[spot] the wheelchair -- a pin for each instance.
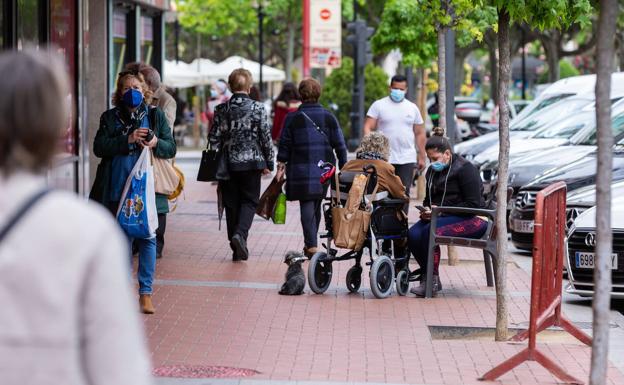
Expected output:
(388, 226)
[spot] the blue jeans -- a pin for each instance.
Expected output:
(147, 263)
(147, 257)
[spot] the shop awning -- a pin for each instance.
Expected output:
(182, 75)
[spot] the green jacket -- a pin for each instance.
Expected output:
(108, 143)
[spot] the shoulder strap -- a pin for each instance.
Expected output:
(151, 113)
(21, 213)
(317, 128)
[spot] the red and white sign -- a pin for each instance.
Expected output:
(325, 33)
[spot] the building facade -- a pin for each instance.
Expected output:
(96, 39)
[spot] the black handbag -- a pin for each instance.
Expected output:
(209, 165)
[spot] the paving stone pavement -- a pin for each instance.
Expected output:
(210, 311)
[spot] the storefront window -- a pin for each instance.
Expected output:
(27, 23)
(147, 39)
(120, 44)
(63, 37)
(3, 25)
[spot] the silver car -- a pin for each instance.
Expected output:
(580, 257)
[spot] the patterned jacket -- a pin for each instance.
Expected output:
(241, 125)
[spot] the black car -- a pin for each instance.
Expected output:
(576, 175)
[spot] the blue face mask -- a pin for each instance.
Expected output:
(133, 98)
(397, 95)
(438, 166)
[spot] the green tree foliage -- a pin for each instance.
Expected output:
(337, 90)
(404, 22)
(566, 70)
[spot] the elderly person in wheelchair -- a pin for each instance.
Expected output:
(385, 237)
(374, 150)
(450, 181)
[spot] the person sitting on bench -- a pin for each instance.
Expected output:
(450, 181)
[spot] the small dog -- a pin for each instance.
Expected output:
(295, 279)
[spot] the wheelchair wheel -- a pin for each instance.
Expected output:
(402, 282)
(354, 278)
(319, 273)
(382, 276)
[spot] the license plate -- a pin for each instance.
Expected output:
(521, 226)
(586, 260)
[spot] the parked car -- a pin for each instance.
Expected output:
(489, 118)
(559, 91)
(576, 175)
(580, 200)
(580, 247)
(529, 157)
(525, 127)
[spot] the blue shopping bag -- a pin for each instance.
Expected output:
(137, 213)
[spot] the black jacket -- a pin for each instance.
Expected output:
(242, 122)
(463, 187)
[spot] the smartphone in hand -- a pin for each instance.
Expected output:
(422, 209)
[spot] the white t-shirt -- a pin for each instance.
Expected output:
(396, 121)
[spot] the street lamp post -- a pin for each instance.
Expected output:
(261, 46)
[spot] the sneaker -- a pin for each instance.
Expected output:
(421, 289)
(240, 247)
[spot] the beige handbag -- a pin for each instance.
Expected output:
(350, 224)
(166, 179)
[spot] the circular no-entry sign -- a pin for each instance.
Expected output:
(325, 14)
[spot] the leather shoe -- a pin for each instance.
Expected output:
(240, 247)
(145, 301)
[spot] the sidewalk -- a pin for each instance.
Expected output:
(213, 312)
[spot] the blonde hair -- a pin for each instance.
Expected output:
(117, 99)
(375, 142)
(240, 80)
(34, 109)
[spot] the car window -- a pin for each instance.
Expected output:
(546, 102)
(567, 127)
(519, 107)
(549, 115)
(617, 124)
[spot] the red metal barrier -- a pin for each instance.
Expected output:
(548, 254)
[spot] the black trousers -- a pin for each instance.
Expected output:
(406, 173)
(310, 220)
(240, 198)
(160, 233)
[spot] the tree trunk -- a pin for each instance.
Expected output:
(551, 46)
(504, 75)
(604, 237)
(460, 73)
(493, 71)
(290, 52)
(442, 77)
(620, 50)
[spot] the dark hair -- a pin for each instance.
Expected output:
(437, 141)
(310, 90)
(34, 109)
(398, 79)
(289, 93)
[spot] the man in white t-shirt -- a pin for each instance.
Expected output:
(401, 122)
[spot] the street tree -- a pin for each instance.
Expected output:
(540, 14)
(604, 237)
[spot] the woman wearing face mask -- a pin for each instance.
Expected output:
(451, 181)
(123, 133)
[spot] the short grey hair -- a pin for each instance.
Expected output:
(375, 142)
(34, 109)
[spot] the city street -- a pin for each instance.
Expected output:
(213, 313)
